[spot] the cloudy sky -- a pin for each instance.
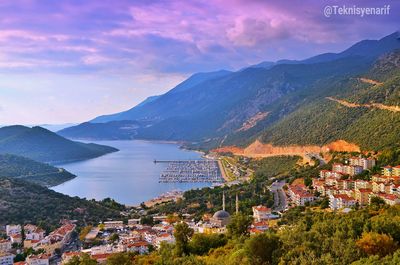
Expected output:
(69, 61)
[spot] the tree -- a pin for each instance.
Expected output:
(84, 232)
(147, 220)
(377, 203)
(239, 225)
(202, 243)
(308, 181)
(324, 203)
(124, 258)
(114, 237)
(376, 244)
(263, 248)
(182, 235)
(83, 259)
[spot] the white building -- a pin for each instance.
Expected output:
(141, 247)
(13, 229)
(164, 238)
(33, 232)
(41, 259)
(5, 245)
(365, 163)
(113, 225)
(6, 258)
(261, 213)
(339, 201)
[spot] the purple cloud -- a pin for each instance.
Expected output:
(151, 45)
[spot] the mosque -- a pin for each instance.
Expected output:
(221, 218)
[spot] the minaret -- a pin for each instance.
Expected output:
(223, 200)
(237, 203)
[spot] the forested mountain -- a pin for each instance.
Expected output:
(12, 166)
(283, 103)
(26, 202)
(42, 145)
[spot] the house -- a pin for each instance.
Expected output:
(328, 173)
(340, 201)
(362, 196)
(101, 258)
(299, 195)
(365, 163)
(390, 199)
(41, 259)
(396, 171)
(348, 184)
(260, 226)
(378, 187)
(111, 225)
(133, 222)
(380, 178)
(387, 171)
(347, 169)
(261, 213)
(56, 239)
(362, 184)
(168, 238)
(67, 256)
(103, 249)
(16, 238)
(5, 245)
(13, 229)
(6, 258)
(33, 232)
(141, 247)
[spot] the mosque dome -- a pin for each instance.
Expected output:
(221, 215)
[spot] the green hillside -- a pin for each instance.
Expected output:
(12, 166)
(42, 145)
(325, 120)
(25, 202)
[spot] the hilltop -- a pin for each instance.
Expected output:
(43, 145)
(18, 167)
(26, 202)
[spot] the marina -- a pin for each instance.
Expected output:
(191, 171)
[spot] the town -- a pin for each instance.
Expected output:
(341, 186)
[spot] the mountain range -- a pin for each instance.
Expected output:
(307, 102)
(43, 145)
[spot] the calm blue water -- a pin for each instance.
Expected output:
(128, 176)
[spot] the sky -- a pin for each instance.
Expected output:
(69, 61)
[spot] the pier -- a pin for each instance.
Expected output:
(191, 171)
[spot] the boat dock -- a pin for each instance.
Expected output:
(191, 171)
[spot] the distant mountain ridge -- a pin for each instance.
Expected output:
(211, 113)
(45, 146)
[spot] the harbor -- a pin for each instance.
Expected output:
(191, 171)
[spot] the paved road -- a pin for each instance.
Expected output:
(280, 201)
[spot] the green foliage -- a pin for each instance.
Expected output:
(12, 166)
(125, 258)
(114, 237)
(112, 204)
(273, 166)
(239, 225)
(370, 128)
(202, 243)
(263, 248)
(182, 235)
(23, 202)
(147, 220)
(83, 259)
